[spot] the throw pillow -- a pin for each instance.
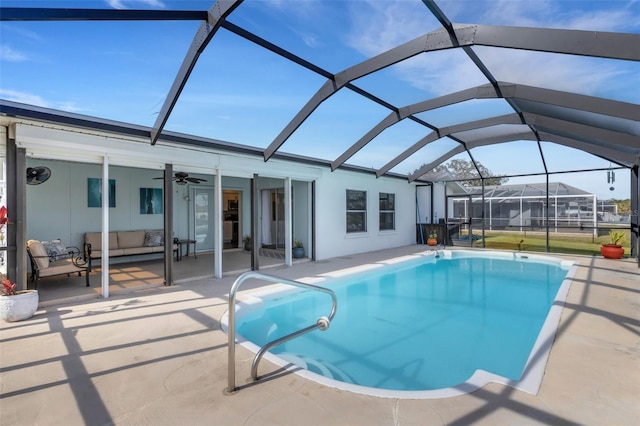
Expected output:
(46, 245)
(57, 250)
(154, 239)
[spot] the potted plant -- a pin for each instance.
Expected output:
(432, 240)
(614, 249)
(246, 240)
(16, 305)
(298, 249)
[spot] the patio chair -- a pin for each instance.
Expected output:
(50, 263)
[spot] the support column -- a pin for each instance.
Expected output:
(104, 260)
(313, 221)
(288, 240)
(635, 214)
(594, 212)
(255, 222)
(218, 242)
(548, 245)
(16, 203)
(168, 224)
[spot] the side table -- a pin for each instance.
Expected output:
(186, 242)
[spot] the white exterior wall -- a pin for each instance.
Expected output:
(439, 201)
(134, 163)
(331, 237)
(423, 210)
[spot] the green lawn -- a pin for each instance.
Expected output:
(572, 244)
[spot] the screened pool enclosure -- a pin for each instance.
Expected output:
(537, 92)
(523, 207)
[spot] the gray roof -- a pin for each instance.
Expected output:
(528, 190)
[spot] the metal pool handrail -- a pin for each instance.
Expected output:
(321, 323)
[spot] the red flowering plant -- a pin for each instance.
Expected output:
(8, 288)
(4, 219)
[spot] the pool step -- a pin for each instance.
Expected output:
(321, 367)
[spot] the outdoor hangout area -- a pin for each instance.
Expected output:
(327, 212)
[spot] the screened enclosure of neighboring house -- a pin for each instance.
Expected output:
(522, 207)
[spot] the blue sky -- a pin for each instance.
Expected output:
(241, 93)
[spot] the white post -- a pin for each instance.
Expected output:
(288, 233)
(520, 213)
(104, 260)
(218, 241)
(490, 216)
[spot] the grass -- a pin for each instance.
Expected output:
(558, 243)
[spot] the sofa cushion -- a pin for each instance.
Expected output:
(40, 255)
(154, 238)
(61, 267)
(97, 254)
(137, 250)
(128, 239)
(95, 239)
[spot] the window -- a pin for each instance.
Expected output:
(387, 211)
(356, 211)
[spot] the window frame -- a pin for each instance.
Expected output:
(352, 212)
(389, 199)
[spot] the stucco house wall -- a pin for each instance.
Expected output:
(332, 238)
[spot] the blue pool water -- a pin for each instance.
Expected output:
(419, 325)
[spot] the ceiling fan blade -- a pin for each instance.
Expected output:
(195, 180)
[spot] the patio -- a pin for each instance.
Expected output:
(158, 356)
(137, 275)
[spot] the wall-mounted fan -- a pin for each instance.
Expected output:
(182, 178)
(37, 175)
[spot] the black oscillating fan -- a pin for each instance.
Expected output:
(37, 175)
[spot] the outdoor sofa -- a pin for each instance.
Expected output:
(125, 243)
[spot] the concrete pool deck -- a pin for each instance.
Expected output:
(159, 357)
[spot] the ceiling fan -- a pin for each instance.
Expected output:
(182, 178)
(37, 175)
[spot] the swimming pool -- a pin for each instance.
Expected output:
(423, 327)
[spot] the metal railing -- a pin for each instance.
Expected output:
(321, 323)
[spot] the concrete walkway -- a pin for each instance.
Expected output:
(159, 357)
